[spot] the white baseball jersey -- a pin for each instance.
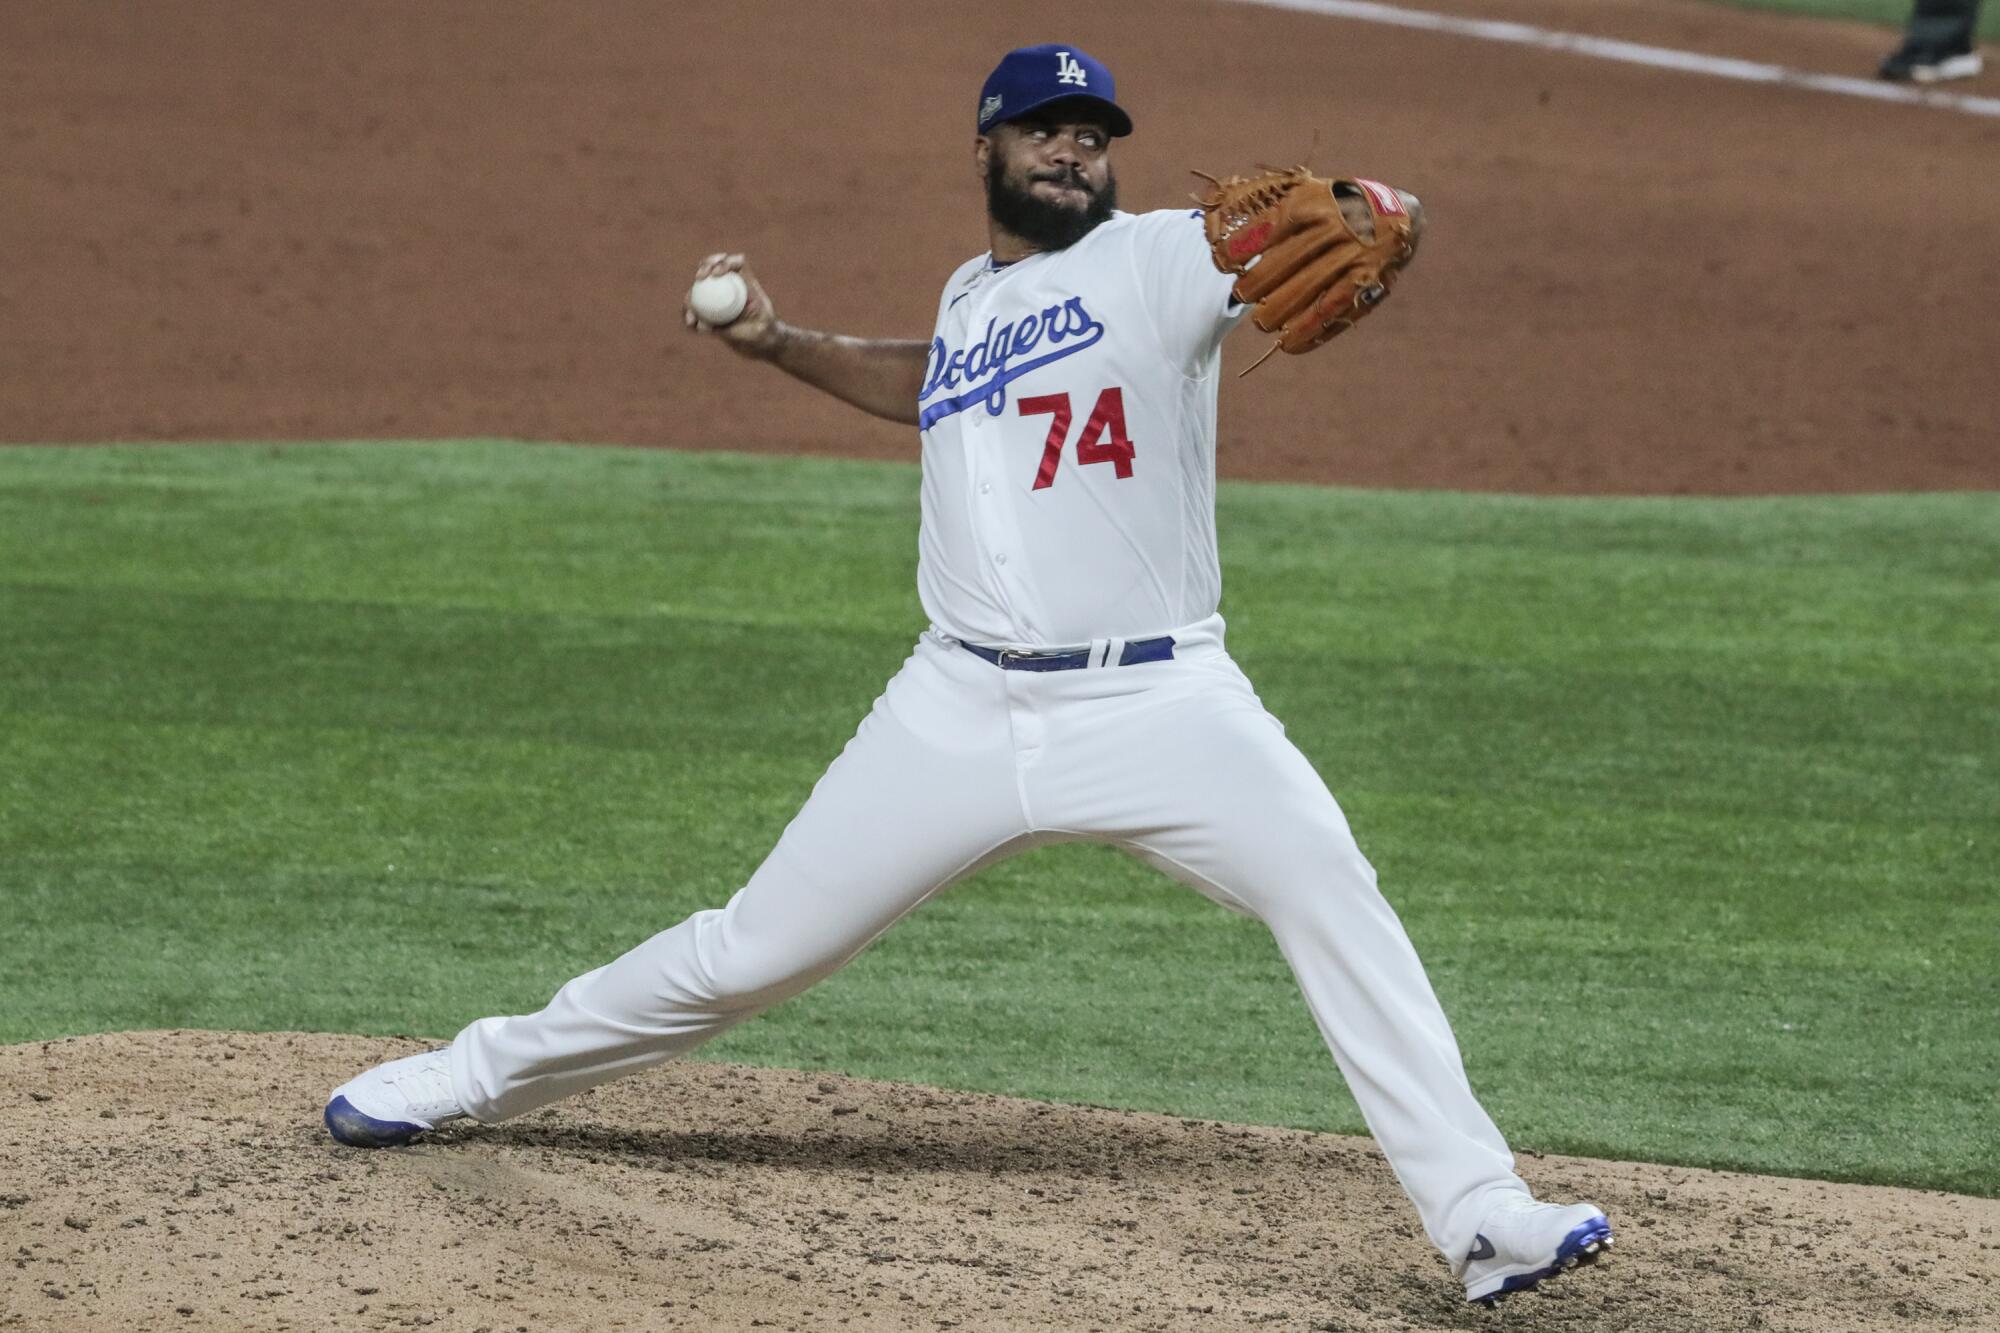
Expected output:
(1068, 418)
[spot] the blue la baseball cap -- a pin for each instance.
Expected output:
(1037, 75)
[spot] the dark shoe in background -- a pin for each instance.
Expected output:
(1910, 63)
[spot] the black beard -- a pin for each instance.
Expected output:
(1045, 225)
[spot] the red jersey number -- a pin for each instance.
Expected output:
(1103, 439)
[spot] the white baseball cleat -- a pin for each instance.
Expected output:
(393, 1103)
(1964, 65)
(1523, 1242)
(1914, 63)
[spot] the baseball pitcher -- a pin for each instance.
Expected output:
(1073, 682)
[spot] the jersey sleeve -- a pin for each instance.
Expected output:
(1184, 294)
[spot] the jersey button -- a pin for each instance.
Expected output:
(1000, 559)
(986, 488)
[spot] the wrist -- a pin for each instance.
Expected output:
(776, 342)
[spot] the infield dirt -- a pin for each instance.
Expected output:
(231, 220)
(181, 1180)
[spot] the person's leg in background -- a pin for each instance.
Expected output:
(1938, 44)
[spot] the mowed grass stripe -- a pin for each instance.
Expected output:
(1690, 805)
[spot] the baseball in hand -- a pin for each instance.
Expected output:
(720, 299)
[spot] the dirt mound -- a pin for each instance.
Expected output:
(233, 220)
(181, 1180)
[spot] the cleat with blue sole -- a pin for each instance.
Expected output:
(1583, 1246)
(359, 1130)
(395, 1103)
(1523, 1244)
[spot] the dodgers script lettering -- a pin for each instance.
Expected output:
(993, 362)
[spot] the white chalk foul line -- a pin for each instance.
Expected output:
(1634, 53)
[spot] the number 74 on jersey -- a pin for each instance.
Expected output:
(1102, 440)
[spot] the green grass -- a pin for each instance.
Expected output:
(1890, 12)
(1693, 807)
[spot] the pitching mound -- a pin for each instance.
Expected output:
(181, 1180)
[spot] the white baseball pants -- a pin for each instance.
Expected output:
(960, 764)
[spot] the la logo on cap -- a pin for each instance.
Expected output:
(1068, 71)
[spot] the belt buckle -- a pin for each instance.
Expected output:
(1005, 656)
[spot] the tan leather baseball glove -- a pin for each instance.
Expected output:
(1314, 255)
